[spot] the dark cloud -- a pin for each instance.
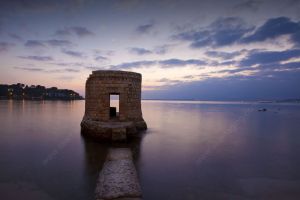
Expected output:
(17, 6)
(127, 5)
(74, 30)
(102, 55)
(162, 49)
(178, 62)
(15, 37)
(35, 69)
(81, 31)
(32, 5)
(230, 62)
(166, 81)
(58, 43)
(94, 68)
(67, 64)
(188, 77)
(197, 38)
(296, 38)
(63, 32)
(252, 5)
(145, 28)
(233, 71)
(169, 63)
(32, 69)
(37, 58)
(223, 55)
(136, 64)
(269, 57)
(273, 28)
(139, 51)
(290, 65)
(5, 46)
(223, 63)
(224, 31)
(30, 19)
(68, 70)
(267, 86)
(52, 43)
(76, 54)
(227, 31)
(100, 58)
(266, 62)
(72, 70)
(103, 52)
(34, 43)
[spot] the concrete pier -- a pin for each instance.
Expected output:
(118, 178)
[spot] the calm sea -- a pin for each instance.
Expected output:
(192, 150)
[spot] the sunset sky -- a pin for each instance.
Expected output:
(185, 49)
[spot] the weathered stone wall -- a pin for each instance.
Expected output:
(102, 83)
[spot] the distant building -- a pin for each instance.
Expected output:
(38, 92)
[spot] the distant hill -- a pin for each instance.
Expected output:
(36, 92)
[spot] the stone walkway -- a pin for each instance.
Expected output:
(118, 177)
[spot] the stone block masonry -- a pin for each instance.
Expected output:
(97, 121)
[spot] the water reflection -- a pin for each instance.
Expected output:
(192, 150)
(95, 155)
(220, 151)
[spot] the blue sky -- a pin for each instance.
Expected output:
(208, 50)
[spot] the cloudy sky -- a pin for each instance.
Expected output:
(185, 49)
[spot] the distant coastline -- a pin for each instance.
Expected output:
(21, 91)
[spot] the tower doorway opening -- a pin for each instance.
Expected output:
(114, 105)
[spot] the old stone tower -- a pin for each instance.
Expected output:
(100, 119)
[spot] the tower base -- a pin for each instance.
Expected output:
(111, 130)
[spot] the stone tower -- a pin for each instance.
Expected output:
(100, 119)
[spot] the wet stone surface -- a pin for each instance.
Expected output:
(119, 134)
(118, 177)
